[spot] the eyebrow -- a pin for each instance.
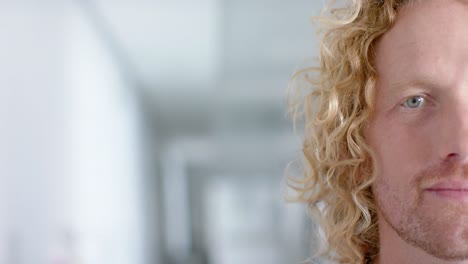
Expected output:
(424, 82)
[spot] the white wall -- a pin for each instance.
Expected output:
(104, 161)
(70, 178)
(31, 129)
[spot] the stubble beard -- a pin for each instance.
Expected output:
(440, 231)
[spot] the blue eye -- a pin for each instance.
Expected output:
(414, 102)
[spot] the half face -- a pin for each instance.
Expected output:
(419, 131)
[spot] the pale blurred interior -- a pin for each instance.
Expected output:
(150, 132)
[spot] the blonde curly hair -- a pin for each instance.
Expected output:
(337, 172)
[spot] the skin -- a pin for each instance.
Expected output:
(419, 135)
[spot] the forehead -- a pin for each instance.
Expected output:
(429, 41)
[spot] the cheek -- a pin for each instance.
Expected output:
(399, 152)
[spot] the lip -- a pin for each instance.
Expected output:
(453, 190)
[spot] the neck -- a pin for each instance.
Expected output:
(395, 250)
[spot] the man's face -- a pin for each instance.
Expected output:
(419, 131)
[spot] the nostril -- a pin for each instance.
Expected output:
(457, 158)
(452, 157)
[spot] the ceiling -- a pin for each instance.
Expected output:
(210, 65)
(197, 47)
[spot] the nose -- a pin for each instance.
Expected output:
(454, 134)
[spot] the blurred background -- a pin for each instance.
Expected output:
(150, 132)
